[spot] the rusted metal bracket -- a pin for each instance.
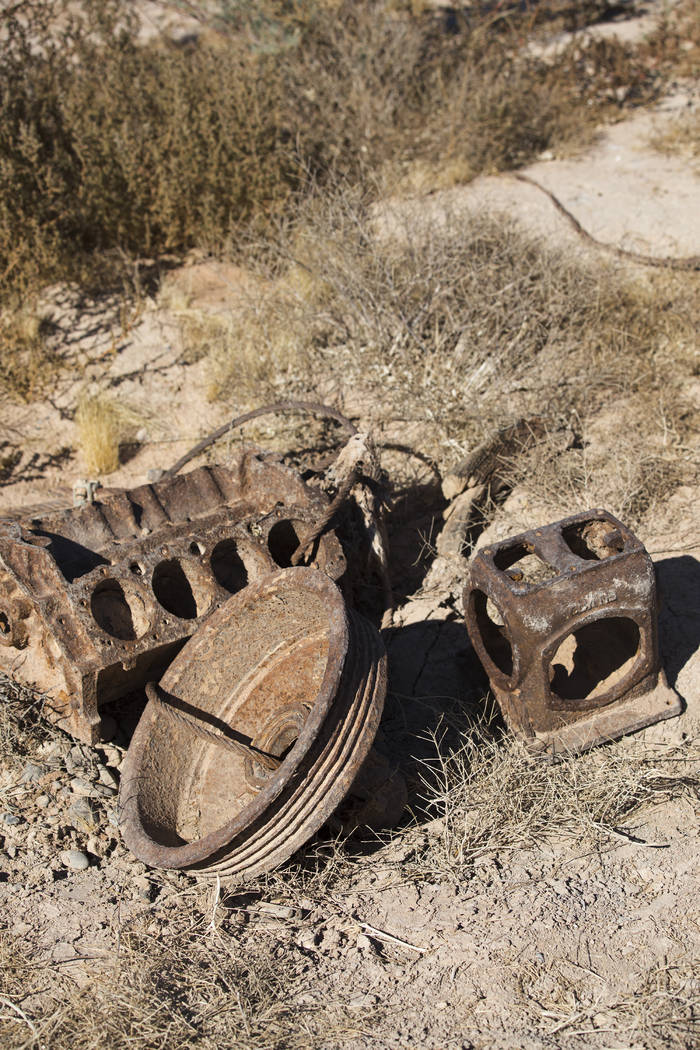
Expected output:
(564, 620)
(96, 600)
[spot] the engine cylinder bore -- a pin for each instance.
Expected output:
(120, 609)
(258, 729)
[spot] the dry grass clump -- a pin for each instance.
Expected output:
(674, 46)
(22, 728)
(682, 137)
(662, 1011)
(494, 797)
(456, 320)
(174, 983)
(237, 347)
(26, 363)
(103, 426)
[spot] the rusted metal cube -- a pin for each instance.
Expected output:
(97, 600)
(564, 620)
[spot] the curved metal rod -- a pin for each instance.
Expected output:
(316, 408)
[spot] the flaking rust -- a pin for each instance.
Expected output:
(564, 620)
(98, 599)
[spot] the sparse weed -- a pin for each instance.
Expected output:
(176, 981)
(493, 797)
(682, 137)
(26, 363)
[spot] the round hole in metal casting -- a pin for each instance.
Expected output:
(494, 636)
(282, 541)
(227, 566)
(180, 590)
(119, 610)
(595, 658)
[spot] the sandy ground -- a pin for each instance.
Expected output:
(555, 945)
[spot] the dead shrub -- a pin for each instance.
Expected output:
(457, 320)
(26, 362)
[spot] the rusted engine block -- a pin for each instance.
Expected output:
(564, 620)
(98, 599)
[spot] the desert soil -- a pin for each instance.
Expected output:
(571, 941)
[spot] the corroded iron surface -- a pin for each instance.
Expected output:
(98, 599)
(288, 685)
(564, 620)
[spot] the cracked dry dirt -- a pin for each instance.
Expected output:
(580, 937)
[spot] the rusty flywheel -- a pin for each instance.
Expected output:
(257, 730)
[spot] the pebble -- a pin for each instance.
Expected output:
(54, 751)
(94, 846)
(76, 759)
(307, 939)
(88, 790)
(42, 801)
(107, 777)
(112, 755)
(32, 772)
(74, 859)
(81, 814)
(10, 818)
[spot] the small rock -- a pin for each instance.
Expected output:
(112, 755)
(11, 851)
(11, 819)
(331, 940)
(107, 777)
(31, 772)
(307, 939)
(142, 888)
(88, 790)
(365, 1002)
(94, 846)
(55, 751)
(74, 859)
(81, 814)
(42, 801)
(76, 759)
(363, 943)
